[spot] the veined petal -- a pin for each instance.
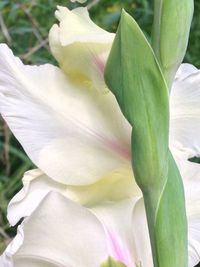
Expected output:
(71, 236)
(72, 134)
(185, 110)
(80, 46)
(37, 185)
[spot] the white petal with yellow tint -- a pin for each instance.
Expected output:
(112, 207)
(185, 110)
(37, 185)
(76, 136)
(80, 46)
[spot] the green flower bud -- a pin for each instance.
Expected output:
(112, 263)
(172, 21)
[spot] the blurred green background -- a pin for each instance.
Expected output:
(24, 26)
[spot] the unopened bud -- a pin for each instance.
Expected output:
(172, 21)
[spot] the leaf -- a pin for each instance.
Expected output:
(134, 76)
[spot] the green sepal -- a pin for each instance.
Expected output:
(112, 263)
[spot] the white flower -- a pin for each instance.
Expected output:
(83, 205)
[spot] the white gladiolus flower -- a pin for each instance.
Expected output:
(82, 205)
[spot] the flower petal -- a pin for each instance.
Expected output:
(95, 234)
(194, 242)
(37, 185)
(190, 173)
(80, 46)
(185, 110)
(115, 214)
(75, 136)
(143, 254)
(118, 224)
(62, 233)
(6, 259)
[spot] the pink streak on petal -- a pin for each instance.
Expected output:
(99, 64)
(112, 144)
(117, 250)
(122, 151)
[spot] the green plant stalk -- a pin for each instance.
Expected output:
(135, 77)
(164, 210)
(170, 34)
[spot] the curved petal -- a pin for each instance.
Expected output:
(80, 46)
(75, 136)
(115, 214)
(141, 236)
(185, 110)
(184, 70)
(194, 242)
(71, 236)
(6, 259)
(118, 224)
(37, 185)
(190, 173)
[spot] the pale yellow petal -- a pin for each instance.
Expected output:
(80, 47)
(117, 186)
